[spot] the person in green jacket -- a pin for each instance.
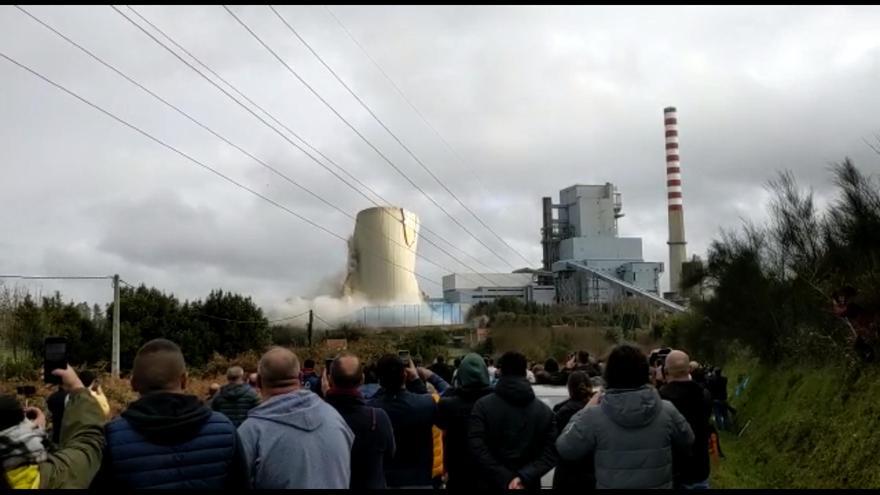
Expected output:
(28, 457)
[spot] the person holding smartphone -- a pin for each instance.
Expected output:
(27, 459)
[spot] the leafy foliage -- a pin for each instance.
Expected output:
(771, 285)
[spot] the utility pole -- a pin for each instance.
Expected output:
(311, 321)
(114, 366)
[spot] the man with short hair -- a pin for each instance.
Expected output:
(584, 362)
(512, 433)
(235, 399)
(293, 439)
(310, 379)
(167, 438)
(373, 436)
(442, 369)
(403, 395)
(691, 466)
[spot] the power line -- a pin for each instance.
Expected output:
(253, 321)
(393, 135)
(403, 95)
(53, 277)
(203, 126)
(190, 158)
(322, 320)
(301, 139)
(268, 125)
(362, 137)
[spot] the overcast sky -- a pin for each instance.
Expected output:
(533, 99)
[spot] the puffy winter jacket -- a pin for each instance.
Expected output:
(632, 433)
(512, 434)
(234, 400)
(166, 440)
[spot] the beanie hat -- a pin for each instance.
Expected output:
(472, 372)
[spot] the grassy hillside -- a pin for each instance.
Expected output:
(811, 427)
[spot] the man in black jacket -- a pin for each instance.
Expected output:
(512, 434)
(442, 369)
(717, 384)
(691, 467)
(577, 475)
(236, 398)
(412, 410)
(453, 412)
(373, 435)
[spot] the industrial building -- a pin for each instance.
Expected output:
(382, 257)
(589, 262)
(472, 288)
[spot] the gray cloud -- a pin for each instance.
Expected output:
(534, 98)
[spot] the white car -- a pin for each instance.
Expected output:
(551, 395)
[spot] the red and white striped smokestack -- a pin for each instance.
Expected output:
(677, 253)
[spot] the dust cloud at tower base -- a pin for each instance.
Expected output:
(382, 257)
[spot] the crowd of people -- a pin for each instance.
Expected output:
(475, 425)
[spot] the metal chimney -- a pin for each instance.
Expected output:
(677, 252)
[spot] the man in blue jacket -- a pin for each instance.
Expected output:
(167, 438)
(413, 412)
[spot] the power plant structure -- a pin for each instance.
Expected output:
(588, 261)
(382, 257)
(675, 204)
(382, 272)
(585, 261)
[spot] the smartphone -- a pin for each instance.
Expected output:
(404, 356)
(327, 363)
(54, 357)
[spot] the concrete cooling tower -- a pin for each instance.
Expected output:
(382, 256)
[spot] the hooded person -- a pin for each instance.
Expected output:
(293, 439)
(695, 403)
(511, 433)
(236, 398)
(168, 438)
(453, 411)
(30, 459)
(629, 429)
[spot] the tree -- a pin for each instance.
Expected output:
(234, 322)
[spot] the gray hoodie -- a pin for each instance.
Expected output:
(632, 433)
(296, 440)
